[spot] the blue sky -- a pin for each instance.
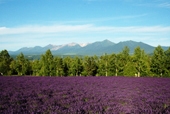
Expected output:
(29, 23)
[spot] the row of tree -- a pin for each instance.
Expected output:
(121, 64)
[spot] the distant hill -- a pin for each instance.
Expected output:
(96, 48)
(132, 45)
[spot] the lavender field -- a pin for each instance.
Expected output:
(84, 95)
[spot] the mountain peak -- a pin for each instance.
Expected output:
(50, 45)
(106, 40)
(98, 48)
(128, 41)
(72, 44)
(83, 44)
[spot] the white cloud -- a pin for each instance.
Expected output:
(165, 5)
(158, 4)
(30, 36)
(43, 29)
(102, 19)
(82, 28)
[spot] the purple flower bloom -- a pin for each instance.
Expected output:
(84, 95)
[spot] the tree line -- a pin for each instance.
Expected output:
(138, 64)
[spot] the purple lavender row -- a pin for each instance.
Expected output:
(82, 95)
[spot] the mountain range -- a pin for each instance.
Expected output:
(96, 48)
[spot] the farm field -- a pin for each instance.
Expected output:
(84, 95)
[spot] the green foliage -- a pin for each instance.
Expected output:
(113, 65)
(103, 65)
(123, 64)
(158, 62)
(122, 60)
(36, 67)
(47, 64)
(21, 65)
(129, 70)
(59, 71)
(76, 67)
(140, 62)
(5, 61)
(90, 66)
(67, 66)
(167, 61)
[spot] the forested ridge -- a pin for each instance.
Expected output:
(139, 64)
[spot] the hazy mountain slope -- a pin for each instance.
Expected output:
(96, 48)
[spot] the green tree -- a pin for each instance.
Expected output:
(29, 70)
(13, 68)
(21, 65)
(113, 65)
(67, 66)
(47, 64)
(76, 67)
(43, 65)
(158, 62)
(123, 59)
(130, 69)
(103, 66)
(90, 66)
(140, 62)
(167, 61)
(36, 67)
(5, 61)
(59, 66)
